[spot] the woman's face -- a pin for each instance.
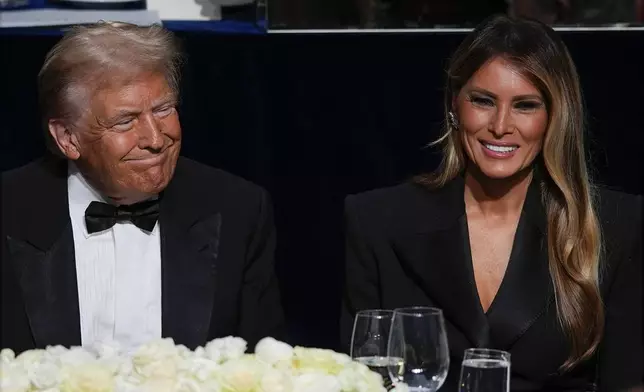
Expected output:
(502, 119)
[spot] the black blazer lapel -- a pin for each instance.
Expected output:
(189, 251)
(41, 249)
(527, 289)
(49, 289)
(438, 258)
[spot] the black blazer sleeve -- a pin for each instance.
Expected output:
(261, 310)
(621, 357)
(361, 276)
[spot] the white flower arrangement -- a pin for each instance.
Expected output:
(161, 366)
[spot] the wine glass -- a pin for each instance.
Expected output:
(369, 340)
(418, 337)
(485, 370)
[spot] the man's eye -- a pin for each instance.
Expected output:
(164, 111)
(124, 125)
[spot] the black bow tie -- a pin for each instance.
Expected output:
(101, 216)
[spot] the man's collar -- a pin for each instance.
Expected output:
(81, 193)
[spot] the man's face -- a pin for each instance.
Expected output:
(128, 139)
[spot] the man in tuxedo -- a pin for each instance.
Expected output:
(118, 237)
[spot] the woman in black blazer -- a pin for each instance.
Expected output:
(509, 236)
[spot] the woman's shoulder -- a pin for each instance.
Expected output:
(620, 217)
(618, 209)
(608, 193)
(389, 196)
(406, 206)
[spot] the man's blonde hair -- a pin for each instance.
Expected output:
(91, 57)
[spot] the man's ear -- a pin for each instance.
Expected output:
(66, 141)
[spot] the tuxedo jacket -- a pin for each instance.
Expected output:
(217, 265)
(409, 246)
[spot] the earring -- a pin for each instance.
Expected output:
(452, 120)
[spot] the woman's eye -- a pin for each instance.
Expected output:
(481, 101)
(528, 105)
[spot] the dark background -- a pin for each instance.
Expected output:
(315, 117)
(328, 14)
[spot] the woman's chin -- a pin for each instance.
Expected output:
(500, 173)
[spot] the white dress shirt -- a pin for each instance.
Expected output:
(118, 272)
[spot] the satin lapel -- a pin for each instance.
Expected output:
(526, 290)
(439, 259)
(189, 251)
(42, 254)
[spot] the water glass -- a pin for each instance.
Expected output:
(418, 337)
(369, 341)
(485, 370)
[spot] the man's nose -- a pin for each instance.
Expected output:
(151, 135)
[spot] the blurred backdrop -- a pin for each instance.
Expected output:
(325, 14)
(346, 14)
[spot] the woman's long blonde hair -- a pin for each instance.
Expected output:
(574, 238)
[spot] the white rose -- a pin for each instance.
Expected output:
(161, 348)
(44, 375)
(157, 359)
(29, 358)
(184, 352)
(359, 378)
(107, 349)
(165, 368)
(212, 352)
(125, 383)
(56, 350)
(186, 384)
(224, 349)
(117, 364)
(125, 368)
(202, 368)
(342, 359)
(13, 378)
(76, 356)
(211, 386)
(273, 351)
(53, 354)
(89, 377)
(234, 348)
(110, 354)
(241, 375)
(319, 360)
(7, 355)
(316, 382)
(157, 385)
(275, 381)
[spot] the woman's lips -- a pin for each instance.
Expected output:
(499, 151)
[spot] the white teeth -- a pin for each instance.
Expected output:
(499, 148)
